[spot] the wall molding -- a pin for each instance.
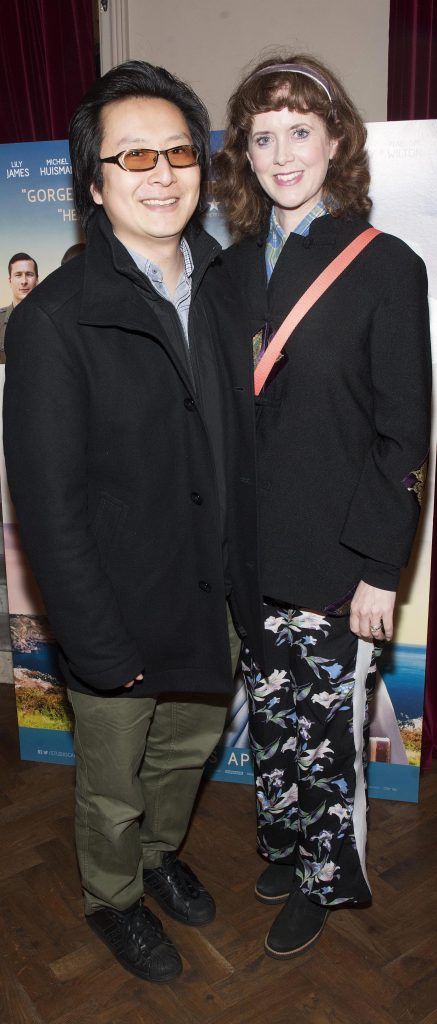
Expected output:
(114, 33)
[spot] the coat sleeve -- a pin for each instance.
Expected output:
(45, 441)
(384, 511)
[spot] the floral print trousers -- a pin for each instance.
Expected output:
(308, 726)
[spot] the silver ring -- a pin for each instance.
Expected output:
(375, 629)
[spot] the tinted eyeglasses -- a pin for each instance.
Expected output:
(146, 159)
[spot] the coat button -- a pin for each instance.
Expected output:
(206, 587)
(196, 498)
(189, 404)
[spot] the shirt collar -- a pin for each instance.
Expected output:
(277, 238)
(153, 270)
(303, 227)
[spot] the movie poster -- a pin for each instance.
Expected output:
(36, 207)
(38, 218)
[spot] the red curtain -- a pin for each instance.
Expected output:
(46, 65)
(412, 93)
(412, 60)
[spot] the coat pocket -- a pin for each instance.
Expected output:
(107, 524)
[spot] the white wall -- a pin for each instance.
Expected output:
(208, 42)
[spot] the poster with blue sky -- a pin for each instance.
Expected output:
(36, 202)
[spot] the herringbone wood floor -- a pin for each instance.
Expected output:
(373, 966)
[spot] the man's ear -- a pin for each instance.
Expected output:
(97, 196)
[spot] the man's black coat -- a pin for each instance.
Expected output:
(126, 476)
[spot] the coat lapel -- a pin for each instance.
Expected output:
(117, 294)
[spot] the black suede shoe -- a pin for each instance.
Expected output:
(295, 928)
(177, 890)
(275, 883)
(138, 942)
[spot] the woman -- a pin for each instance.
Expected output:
(342, 433)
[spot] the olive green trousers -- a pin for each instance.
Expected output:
(139, 763)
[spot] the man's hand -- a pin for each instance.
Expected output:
(371, 615)
(128, 686)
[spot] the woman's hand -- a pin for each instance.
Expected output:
(371, 615)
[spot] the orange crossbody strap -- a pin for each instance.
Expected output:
(305, 303)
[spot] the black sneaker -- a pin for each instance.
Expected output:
(137, 940)
(177, 890)
(296, 927)
(275, 883)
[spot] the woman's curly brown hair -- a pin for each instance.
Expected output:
(347, 181)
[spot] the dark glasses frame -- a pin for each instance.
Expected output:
(119, 158)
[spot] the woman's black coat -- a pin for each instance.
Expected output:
(116, 464)
(343, 426)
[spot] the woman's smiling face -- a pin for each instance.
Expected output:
(290, 152)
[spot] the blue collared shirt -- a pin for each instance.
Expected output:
(182, 296)
(277, 238)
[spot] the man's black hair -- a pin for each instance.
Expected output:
(133, 78)
(22, 256)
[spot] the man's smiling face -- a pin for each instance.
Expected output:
(147, 209)
(22, 279)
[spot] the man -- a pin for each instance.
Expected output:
(122, 492)
(22, 276)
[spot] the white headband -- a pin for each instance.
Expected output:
(298, 69)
